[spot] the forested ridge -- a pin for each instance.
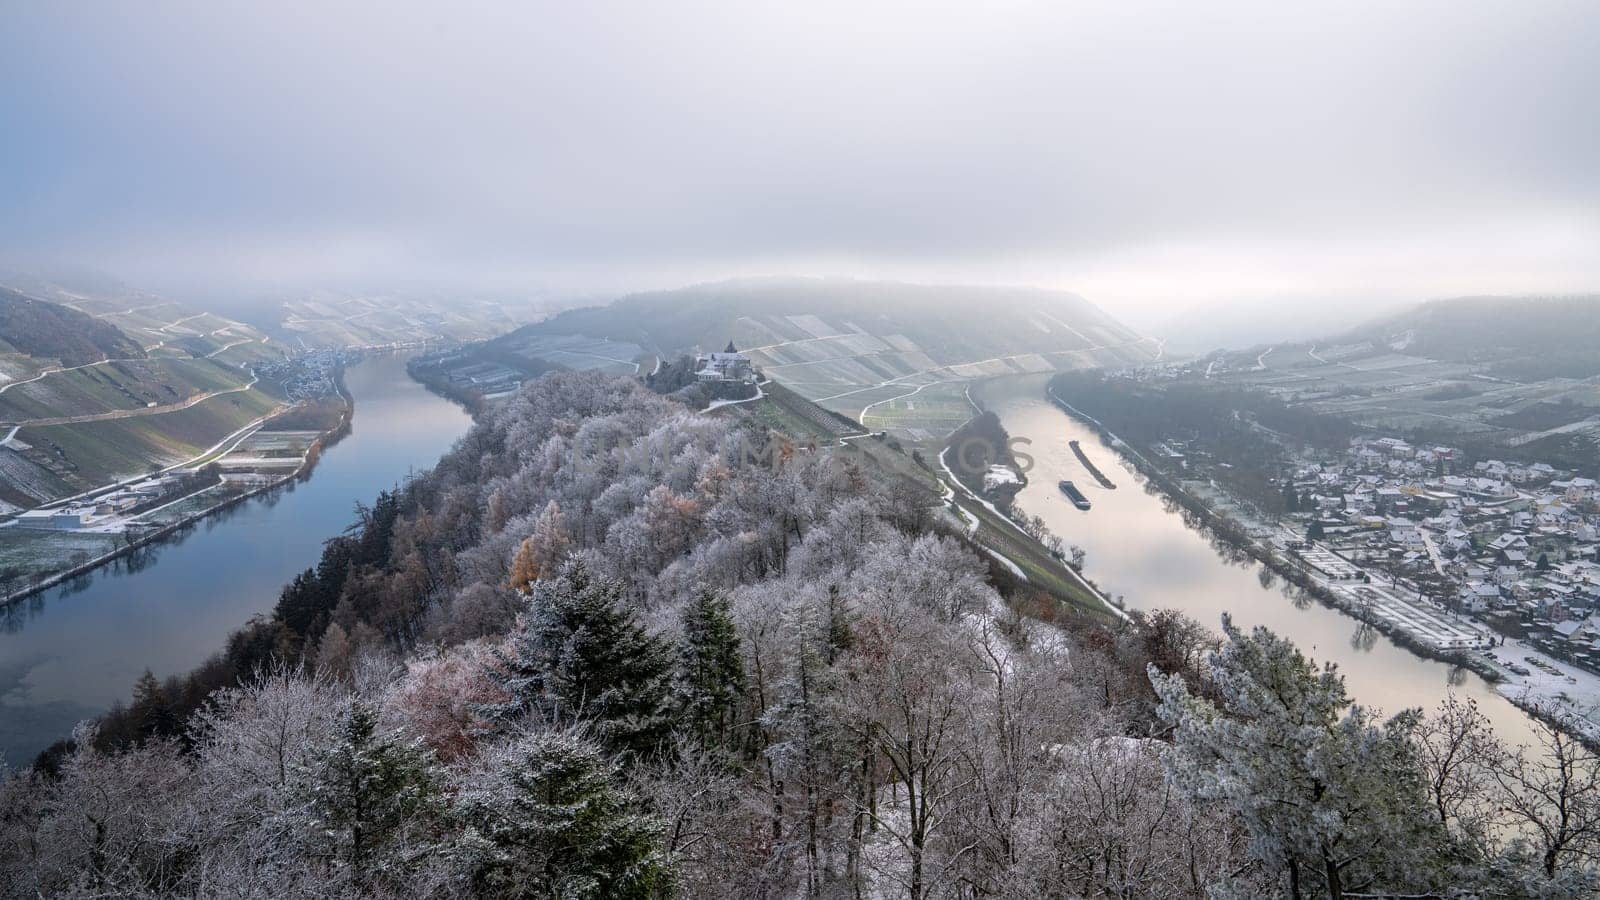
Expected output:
(610, 647)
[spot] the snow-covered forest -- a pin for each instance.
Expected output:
(610, 647)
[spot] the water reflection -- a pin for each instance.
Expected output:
(1162, 556)
(71, 651)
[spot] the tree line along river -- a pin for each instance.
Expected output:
(70, 652)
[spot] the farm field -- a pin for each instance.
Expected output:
(913, 390)
(331, 321)
(168, 329)
(578, 352)
(28, 554)
(116, 385)
(1384, 389)
(86, 455)
(781, 409)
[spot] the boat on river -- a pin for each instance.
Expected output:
(1073, 494)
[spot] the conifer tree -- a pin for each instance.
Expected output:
(541, 552)
(366, 792)
(580, 655)
(152, 711)
(710, 676)
(1332, 799)
(549, 820)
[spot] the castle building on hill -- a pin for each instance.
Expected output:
(728, 366)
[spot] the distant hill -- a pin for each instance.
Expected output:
(1531, 337)
(894, 357)
(45, 330)
(947, 322)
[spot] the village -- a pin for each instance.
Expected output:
(1510, 544)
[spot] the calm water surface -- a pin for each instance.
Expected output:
(70, 652)
(1139, 549)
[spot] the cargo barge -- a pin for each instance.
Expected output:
(1073, 494)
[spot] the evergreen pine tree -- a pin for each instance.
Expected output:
(840, 624)
(549, 820)
(1332, 799)
(366, 791)
(152, 711)
(710, 677)
(580, 655)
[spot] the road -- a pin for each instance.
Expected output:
(862, 416)
(131, 413)
(219, 448)
(956, 488)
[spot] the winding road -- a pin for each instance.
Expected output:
(131, 413)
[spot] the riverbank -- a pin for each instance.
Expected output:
(128, 545)
(70, 653)
(1549, 699)
(1238, 536)
(1144, 548)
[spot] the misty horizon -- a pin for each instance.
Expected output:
(1167, 163)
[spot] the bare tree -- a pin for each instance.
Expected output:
(1552, 793)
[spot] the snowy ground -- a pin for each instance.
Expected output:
(1573, 691)
(1422, 621)
(1553, 686)
(718, 404)
(998, 475)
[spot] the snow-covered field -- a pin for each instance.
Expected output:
(1554, 687)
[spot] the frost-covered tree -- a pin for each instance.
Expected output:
(546, 817)
(803, 735)
(373, 796)
(710, 678)
(901, 695)
(1456, 748)
(542, 551)
(581, 655)
(1333, 800)
(1550, 793)
(111, 823)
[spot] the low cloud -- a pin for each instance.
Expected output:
(1156, 157)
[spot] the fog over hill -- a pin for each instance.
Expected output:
(944, 319)
(1558, 334)
(37, 328)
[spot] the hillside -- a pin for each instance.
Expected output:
(1496, 376)
(1533, 337)
(105, 384)
(600, 652)
(49, 331)
(944, 320)
(863, 349)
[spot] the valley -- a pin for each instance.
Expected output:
(124, 415)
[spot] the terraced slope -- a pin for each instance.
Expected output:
(59, 334)
(331, 321)
(128, 386)
(894, 357)
(1500, 376)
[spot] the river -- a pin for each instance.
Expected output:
(1138, 548)
(70, 652)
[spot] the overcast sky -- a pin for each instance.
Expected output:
(1157, 158)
